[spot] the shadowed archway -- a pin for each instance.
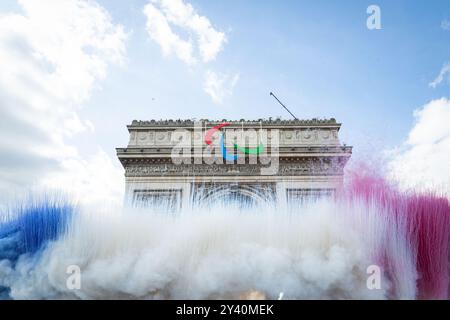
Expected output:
(235, 194)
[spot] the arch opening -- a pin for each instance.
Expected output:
(234, 195)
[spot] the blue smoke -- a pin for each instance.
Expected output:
(29, 228)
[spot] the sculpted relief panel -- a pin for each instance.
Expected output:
(291, 137)
(311, 136)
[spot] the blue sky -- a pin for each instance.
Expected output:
(317, 56)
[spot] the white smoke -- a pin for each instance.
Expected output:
(321, 252)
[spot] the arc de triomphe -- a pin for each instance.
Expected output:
(305, 158)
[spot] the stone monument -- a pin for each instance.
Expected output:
(308, 155)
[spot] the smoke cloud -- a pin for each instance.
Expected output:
(319, 250)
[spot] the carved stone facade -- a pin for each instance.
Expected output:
(309, 161)
(314, 166)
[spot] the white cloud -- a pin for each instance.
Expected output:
(444, 71)
(160, 31)
(93, 180)
(219, 86)
(424, 161)
(203, 42)
(51, 58)
(445, 24)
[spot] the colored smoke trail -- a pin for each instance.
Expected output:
(319, 250)
(426, 221)
(26, 230)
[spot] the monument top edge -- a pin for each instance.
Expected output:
(269, 121)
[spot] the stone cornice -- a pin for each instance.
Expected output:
(265, 122)
(295, 151)
(340, 159)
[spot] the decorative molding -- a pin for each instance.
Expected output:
(297, 137)
(270, 121)
(285, 169)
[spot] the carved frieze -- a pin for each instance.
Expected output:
(285, 169)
